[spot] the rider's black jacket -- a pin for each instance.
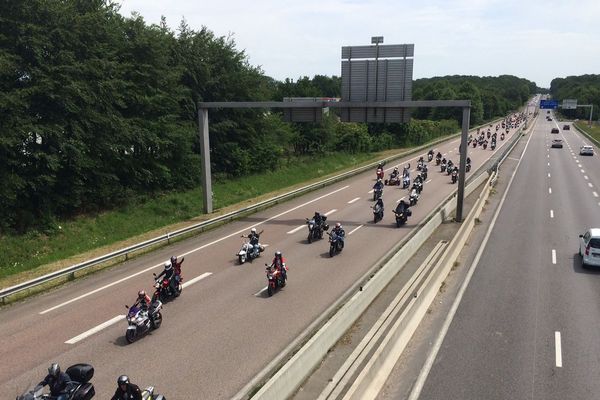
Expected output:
(57, 385)
(133, 392)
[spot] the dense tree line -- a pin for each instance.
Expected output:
(96, 109)
(585, 89)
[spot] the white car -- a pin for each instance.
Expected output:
(586, 150)
(589, 247)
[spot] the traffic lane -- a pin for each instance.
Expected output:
(588, 165)
(93, 302)
(487, 352)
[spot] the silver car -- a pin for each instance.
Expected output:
(589, 248)
(586, 150)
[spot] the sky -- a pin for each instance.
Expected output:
(532, 39)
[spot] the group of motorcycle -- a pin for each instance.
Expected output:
(167, 286)
(79, 387)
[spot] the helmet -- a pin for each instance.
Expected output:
(338, 225)
(123, 380)
(168, 265)
(253, 230)
(54, 370)
(379, 180)
(173, 259)
(278, 254)
(142, 293)
(396, 169)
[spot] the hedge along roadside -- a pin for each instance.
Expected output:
(112, 258)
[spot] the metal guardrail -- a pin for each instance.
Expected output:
(587, 135)
(4, 293)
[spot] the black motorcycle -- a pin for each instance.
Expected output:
(402, 216)
(424, 175)
(315, 231)
(78, 388)
(468, 167)
(377, 212)
(377, 193)
(454, 176)
(443, 167)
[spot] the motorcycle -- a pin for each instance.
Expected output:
(429, 157)
(420, 165)
(377, 193)
(438, 161)
(405, 182)
(454, 176)
(141, 322)
(402, 216)
(379, 173)
(424, 175)
(493, 146)
(449, 169)
(336, 244)
(275, 279)
(443, 167)
(377, 212)
(148, 394)
(502, 136)
(468, 167)
(247, 252)
(78, 388)
(474, 143)
(314, 231)
(418, 186)
(163, 290)
(393, 181)
(484, 145)
(413, 198)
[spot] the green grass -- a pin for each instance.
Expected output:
(72, 237)
(594, 131)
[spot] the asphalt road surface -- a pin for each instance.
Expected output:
(223, 329)
(526, 327)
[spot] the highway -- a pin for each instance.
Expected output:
(223, 329)
(526, 325)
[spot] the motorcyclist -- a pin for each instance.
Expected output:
(379, 203)
(339, 230)
(378, 185)
(143, 301)
(444, 161)
(126, 390)
(406, 171)
(395, 173)
(279, 264)
(177, 269)
(401, 207)
(439, 155)
(254, 237)
(168, 273)
(414, 194)
(319, 220)
(430, 153)
(56, 381)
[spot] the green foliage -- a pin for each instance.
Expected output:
(585, 89)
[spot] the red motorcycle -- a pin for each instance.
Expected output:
(163, 290)
(275, 277)
(379, 173)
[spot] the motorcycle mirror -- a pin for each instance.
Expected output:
(580, 235)
(126, 306)
(154, 274)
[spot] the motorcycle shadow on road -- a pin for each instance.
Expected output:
(578, 268)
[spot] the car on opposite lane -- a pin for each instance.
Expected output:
(586, 150)
(557, 143)
(589, 248)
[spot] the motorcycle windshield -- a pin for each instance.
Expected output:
(133, 310)
(34, 392)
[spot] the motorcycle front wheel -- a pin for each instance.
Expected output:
(331, 251)
(130, 336)
(242, 258)
(269, 290)
(310, 237)
(157, 320)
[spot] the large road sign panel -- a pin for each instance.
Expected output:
(549, 104)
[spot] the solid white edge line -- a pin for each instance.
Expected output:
(355, 229)
(353, 200)
(196, 279)
(558, 348)
(553, 256)
(551, 213)
(418, 386)
(196, 249)
(95, 329)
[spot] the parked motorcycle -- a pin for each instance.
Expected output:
(377, 212)
(454, 175)
(163, 290)
(79, 388)
(247, 252)
(141, 322)
(315, 231)
(336, 244)
(148, 394)
(275, 279)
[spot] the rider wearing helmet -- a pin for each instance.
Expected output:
(279, 264)
(378, 185)
(57, 381)
(143, 300)
(395, 173)
(254, 236)
(339, 231)
(126, 390)
(177, 269)
(168, 272)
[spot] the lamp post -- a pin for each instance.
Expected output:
(376, 40)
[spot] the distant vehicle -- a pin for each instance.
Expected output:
(589, 247)
(557, 143)
(548, 112)
(586, 150)
(566, 127)
(549, 119)
(554, 130)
